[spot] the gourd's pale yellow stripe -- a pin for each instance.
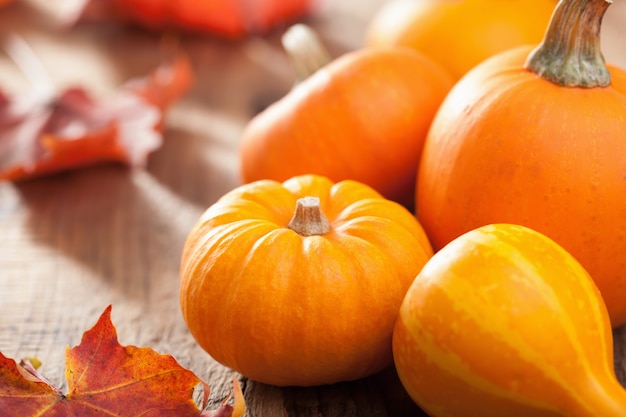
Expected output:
(454, 363)
(472, 307)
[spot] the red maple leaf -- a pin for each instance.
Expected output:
(43, 133)
(228, 18)
(108, 379)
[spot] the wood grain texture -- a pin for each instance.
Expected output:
(73, 243)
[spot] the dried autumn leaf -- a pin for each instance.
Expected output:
(106, 378)
(43, 133)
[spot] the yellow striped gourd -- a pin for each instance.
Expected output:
(503, 322)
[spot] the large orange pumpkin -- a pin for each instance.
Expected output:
(503, 322)
(299, 283)
(537, 139)
(460, 34)
(363, 116)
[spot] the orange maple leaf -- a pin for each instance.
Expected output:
(105, 378)
(46, 132)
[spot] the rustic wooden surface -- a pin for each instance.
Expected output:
(73, 243)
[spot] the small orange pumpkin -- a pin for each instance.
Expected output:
(299, 283)
(503, 322)
(459, 34)
(362, 116)
(537, 139)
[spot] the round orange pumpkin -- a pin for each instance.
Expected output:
(299, 283)
(537, 139)
(503, 322)
(459, 34)
(363, 117)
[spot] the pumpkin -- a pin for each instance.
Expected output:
(362, 116)
(537, 138)
(504, 322)
(459, 34)
(229, 18)
(299, 283)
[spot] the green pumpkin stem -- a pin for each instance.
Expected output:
(308, 219)
(570, 54)
(306, 51)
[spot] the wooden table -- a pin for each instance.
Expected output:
(73, 243)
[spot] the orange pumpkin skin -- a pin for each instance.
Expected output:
(504, 322)
(459, 34)
(508, 146)
(287, 309)
(364, 117)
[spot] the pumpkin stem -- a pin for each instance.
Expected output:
(570, 54)
(308, 219)
(306, 51)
